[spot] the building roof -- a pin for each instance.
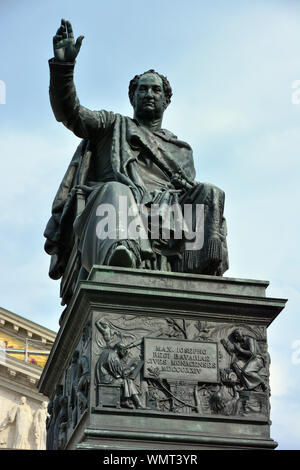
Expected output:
(31, 328)
(24, 346)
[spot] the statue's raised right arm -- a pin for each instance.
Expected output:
(64, 101)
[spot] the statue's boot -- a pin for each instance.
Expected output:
(123, 257)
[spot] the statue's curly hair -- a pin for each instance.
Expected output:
(166, 85)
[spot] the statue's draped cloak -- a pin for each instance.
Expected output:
(128, 139)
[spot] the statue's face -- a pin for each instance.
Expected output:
(149, 97)
(238, 336)
(122, 352)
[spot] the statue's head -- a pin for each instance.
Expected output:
(59, 389)
(150, 94)
(238, 335)
(121, 349)
(75, 356)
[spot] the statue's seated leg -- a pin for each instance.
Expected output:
(212, 257)
(103, 229)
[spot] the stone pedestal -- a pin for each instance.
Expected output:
(152, 360)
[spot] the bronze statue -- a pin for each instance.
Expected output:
(132, 163)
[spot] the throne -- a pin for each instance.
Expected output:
(73, 272)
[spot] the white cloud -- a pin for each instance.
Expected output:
(282, 376)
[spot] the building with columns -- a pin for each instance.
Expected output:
(24, 350)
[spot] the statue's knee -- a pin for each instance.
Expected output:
(115, 186)
(115, 189)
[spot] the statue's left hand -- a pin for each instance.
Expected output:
(84, 188)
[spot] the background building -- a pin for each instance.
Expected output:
(24, 349)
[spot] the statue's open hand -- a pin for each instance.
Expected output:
(64, 46)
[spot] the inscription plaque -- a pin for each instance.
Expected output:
(195, 361)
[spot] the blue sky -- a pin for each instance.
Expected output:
(231, 65)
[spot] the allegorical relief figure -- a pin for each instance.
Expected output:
(61, 424)
(21, 416)
(54, 409)
(77, 378)
(57, 420)
(83, 370)
(105, 330)
(113, 367)
(246, 360)
(39, 426)
(71, 387)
